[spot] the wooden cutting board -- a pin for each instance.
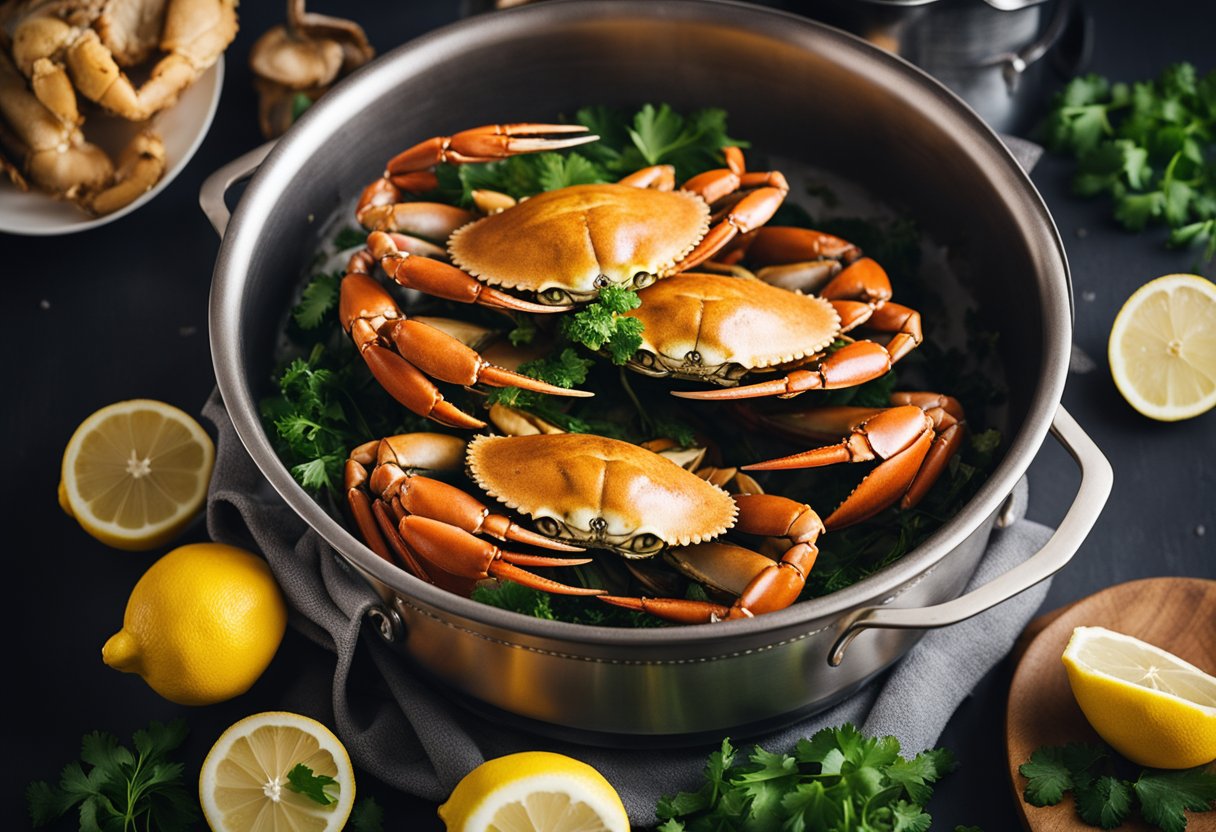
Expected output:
(1176, 614)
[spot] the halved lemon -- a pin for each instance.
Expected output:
(244, 784)
(135, 473)
(1162, 347)
(533, 791)
(1148, 704)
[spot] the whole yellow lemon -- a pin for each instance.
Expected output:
(201, 625)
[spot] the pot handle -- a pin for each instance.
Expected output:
(1096, 480)
(211, 195)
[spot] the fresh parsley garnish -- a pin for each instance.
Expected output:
(1148, 146)
(319, 298)
(303, 780)
(121, 790)
(1104, 799)
(838, 779)
(603, 325)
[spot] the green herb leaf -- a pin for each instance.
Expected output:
(1049, 777)
(121, 790)
(303, 780)
(299, 103)
(1166, 795)
(1105, 802)
(320, 296)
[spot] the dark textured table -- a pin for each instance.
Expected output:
(120, 312)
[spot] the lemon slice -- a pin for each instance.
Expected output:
(534, 791)
(135, 473)
(1162, 347)
(1149, 705)
(244, 787)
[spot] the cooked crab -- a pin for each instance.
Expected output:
(576, 491)
(553, 250)
(726, 330)
(55, 157)
(83, 45)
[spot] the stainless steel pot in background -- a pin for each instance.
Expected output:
(998, 55)
(796, 89)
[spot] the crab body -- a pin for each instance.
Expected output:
(582, 489)
(710, 327)
(564, 246)
(600, 493)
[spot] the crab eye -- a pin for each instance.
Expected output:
(547, 526)
(601, 281)
(644, 358)
(645, 544)
(643, 279)
(554, 296)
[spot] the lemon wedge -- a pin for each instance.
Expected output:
(1149, 705)
(534, 791)
(244, 784)
(135, 473)
(1162, 347)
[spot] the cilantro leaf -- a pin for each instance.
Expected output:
(350, 238)
(838, 779)
(1048, 777)
(909, 818)
(1165, 795)
(121, 789)
(1105, 802)
(303, 780)
(556, 171)
(320, 296)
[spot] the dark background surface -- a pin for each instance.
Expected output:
(120, 312)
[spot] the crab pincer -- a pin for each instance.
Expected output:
(460, 553)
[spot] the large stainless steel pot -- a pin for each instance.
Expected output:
(795, 88)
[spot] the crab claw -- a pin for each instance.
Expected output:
(485, 144)
(445, 281)
(849, 366)
(455, 550)
(441, 356)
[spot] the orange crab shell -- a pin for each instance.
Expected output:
(720, 320)
(584, 481)
(581, 238)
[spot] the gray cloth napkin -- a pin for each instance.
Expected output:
(409, 734)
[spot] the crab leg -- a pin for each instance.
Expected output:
(380, 207)
(426, 497)
(775, 245)
(441, 356)
(364, 306)
(762, 585)
(380, 210)
(443, 280)
(766, 192)
(486, 144)
(949, 423)
(901, 436)
(460, 553)
(852, 364)
(658, 177)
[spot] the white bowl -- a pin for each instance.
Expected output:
(182, 127)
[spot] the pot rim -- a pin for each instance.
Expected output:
(324, 119)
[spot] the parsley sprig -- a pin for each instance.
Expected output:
(1106, 800)
(654, 136)
(838, 779)
(1148, 146)
(121, 790)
